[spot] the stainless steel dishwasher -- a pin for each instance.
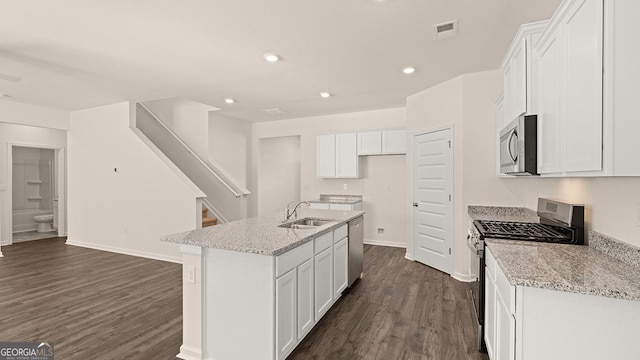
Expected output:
(356, 248)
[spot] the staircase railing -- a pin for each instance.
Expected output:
(225, 179)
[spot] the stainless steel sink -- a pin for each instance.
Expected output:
(306, 223)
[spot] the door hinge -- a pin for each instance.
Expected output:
(449, 197)
(449, 251)
(449, 141)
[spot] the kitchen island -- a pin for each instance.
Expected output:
(254, 288)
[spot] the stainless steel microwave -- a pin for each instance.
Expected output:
(519, 146)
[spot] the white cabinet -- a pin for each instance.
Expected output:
(340, 267)
(394, 142)
(499, 333)
(321, 206)
(383, 142)
(286, 314)
(569, 57)
(337, 156)
(326, 156)
(370, 143)
(306, 318)
(518, 71)
(323, 282)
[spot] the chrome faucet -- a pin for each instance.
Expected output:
(288, 213)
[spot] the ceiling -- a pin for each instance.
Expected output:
(76, 54)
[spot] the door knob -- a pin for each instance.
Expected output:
(415, 204)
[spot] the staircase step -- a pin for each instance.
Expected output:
(209, 221)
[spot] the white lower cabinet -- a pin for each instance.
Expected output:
(340, 267)
(323, 282)
(333, 206)
(526, 323)
(286, 322)
(306, 318)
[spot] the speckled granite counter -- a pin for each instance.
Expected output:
(261, 235)
(570, 268)
(338, 199)
(499, 213)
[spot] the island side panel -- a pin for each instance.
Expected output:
(239, 305)
(192, 303)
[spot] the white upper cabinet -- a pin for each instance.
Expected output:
(569, 87)
(394, 142)
(347, 165)
(518, 71)
(326, 156)
(384, 142)
(370, 143)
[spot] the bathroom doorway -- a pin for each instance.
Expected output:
(37, 192)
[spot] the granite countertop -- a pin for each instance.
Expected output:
(570, 268)
(338, 199)
(500, 213)
(261, 235)
(607, 267)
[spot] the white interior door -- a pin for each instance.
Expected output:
(433, 199)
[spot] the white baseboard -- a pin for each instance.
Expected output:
(189, 353)
(463, 277)
(409, 256)
(384, 243)
(144, 254)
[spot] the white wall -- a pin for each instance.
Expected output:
(13, 116)
(383, 185)
(127, 211)
(188, 119)
(279, 173)
(230, 145)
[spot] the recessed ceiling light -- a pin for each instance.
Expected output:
(271, 57)
(325, 94)
(229, 101)
(408, 70)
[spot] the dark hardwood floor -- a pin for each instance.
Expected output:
(101, 305)
(399, 310)
(91, 304)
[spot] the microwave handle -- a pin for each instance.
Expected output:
(513, 133)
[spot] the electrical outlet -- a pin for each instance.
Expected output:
(344, 186)
(638, 214)
(380, 231)
(191, 274)
(125, 230)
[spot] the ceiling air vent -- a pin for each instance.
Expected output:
(446, 30)
(274, 111)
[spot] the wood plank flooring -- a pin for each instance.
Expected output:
(399, 310)
(101, 305)
(91, 304)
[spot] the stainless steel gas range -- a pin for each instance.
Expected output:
(560, 223)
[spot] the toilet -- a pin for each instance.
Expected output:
(44, 222)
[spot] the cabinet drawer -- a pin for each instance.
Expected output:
(490, 262)
(323, 241)
(340, 233)
(293, 258)
(506, 291)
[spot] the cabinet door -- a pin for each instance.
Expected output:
(306, 318)
(583, 90)
(340, 267)
(550, 120)
(347, 156)
(323, 282)
(519, 78)
(505, 332)
(490, 314)
(286, 324)
(394, 142)
(370, 143)
(326, 156)
(509, 109)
